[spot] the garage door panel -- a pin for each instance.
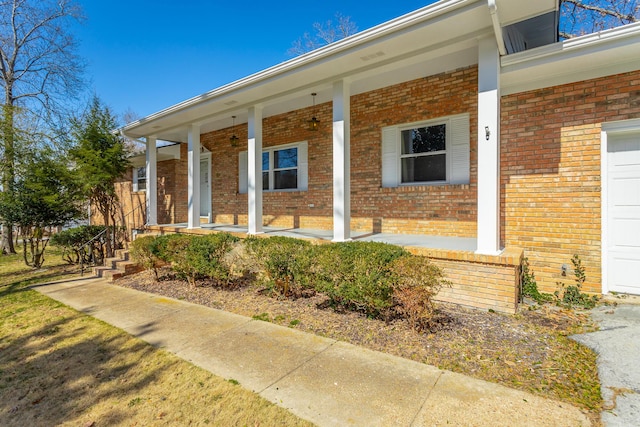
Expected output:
(623, 272)
(626, 191)
(628, 147)
(623, 212)
(626, 232)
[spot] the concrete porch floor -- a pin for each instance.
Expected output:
(412, 240)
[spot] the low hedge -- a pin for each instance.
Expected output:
(377, 279)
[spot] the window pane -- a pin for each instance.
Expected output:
(285, 158)
(424, 140)
(265, 180)
(285, 179)
(265, 161)
(424, 168)
(141, 178)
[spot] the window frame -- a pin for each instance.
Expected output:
(137, 180)
(447, 144)
(301, 167)
(272, 169)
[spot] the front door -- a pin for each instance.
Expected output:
(623, 212)
(205, 187)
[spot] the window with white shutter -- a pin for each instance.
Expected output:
(426, 153)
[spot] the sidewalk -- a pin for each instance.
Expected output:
(325, 381)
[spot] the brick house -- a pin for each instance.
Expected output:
(464, 130)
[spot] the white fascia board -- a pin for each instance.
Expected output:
(591, 56)
(306, 60)
(167, 152)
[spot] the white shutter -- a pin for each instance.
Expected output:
(459, 150)
(243, 172)
(303, 166)
(390, 156)
(135, 179)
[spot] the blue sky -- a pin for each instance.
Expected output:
(145, 56)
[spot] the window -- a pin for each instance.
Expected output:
(433, 152)
(284, 167)
(280, 169)
(424, 154)
(140, 179)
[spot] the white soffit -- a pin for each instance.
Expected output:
(595, 55)
(511, 11)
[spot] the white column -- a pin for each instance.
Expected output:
(341, 162)
(488, 148)
(255, 169)
(193, 177)
(151, 168)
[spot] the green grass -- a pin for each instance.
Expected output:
(61, 367)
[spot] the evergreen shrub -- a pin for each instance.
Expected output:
(283, 263)
(357, 275)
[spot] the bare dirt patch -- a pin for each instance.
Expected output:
(530, 350)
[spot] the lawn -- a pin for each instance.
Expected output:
(61, 367)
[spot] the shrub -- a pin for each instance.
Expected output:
(202, 257)
(283, 262)
(170, 247)
(571, 295)
(416, 281)
(143, 252)
(73, 240)
(357, 275)
(530, 285)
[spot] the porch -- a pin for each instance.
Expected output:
(478, 280)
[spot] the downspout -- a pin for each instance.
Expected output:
(497, 28)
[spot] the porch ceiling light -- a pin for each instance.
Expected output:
(234, 140)
(313, 123)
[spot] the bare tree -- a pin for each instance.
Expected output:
(325, 33)
(131, 145)
(38, 68)
(579, 17)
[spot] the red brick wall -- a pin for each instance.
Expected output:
(437, 210)
(550, 162)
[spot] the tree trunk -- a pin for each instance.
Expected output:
(108, 246)
(8, 176)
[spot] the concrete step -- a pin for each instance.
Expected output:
(117, 266)
(99, 271)
(122, 254)
(128, 267)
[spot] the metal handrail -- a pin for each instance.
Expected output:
(94, 238)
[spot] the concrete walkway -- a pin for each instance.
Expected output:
(617, 343)
(328, 382)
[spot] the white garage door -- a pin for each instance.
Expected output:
(623, 213)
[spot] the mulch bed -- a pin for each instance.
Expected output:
(529, 350)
